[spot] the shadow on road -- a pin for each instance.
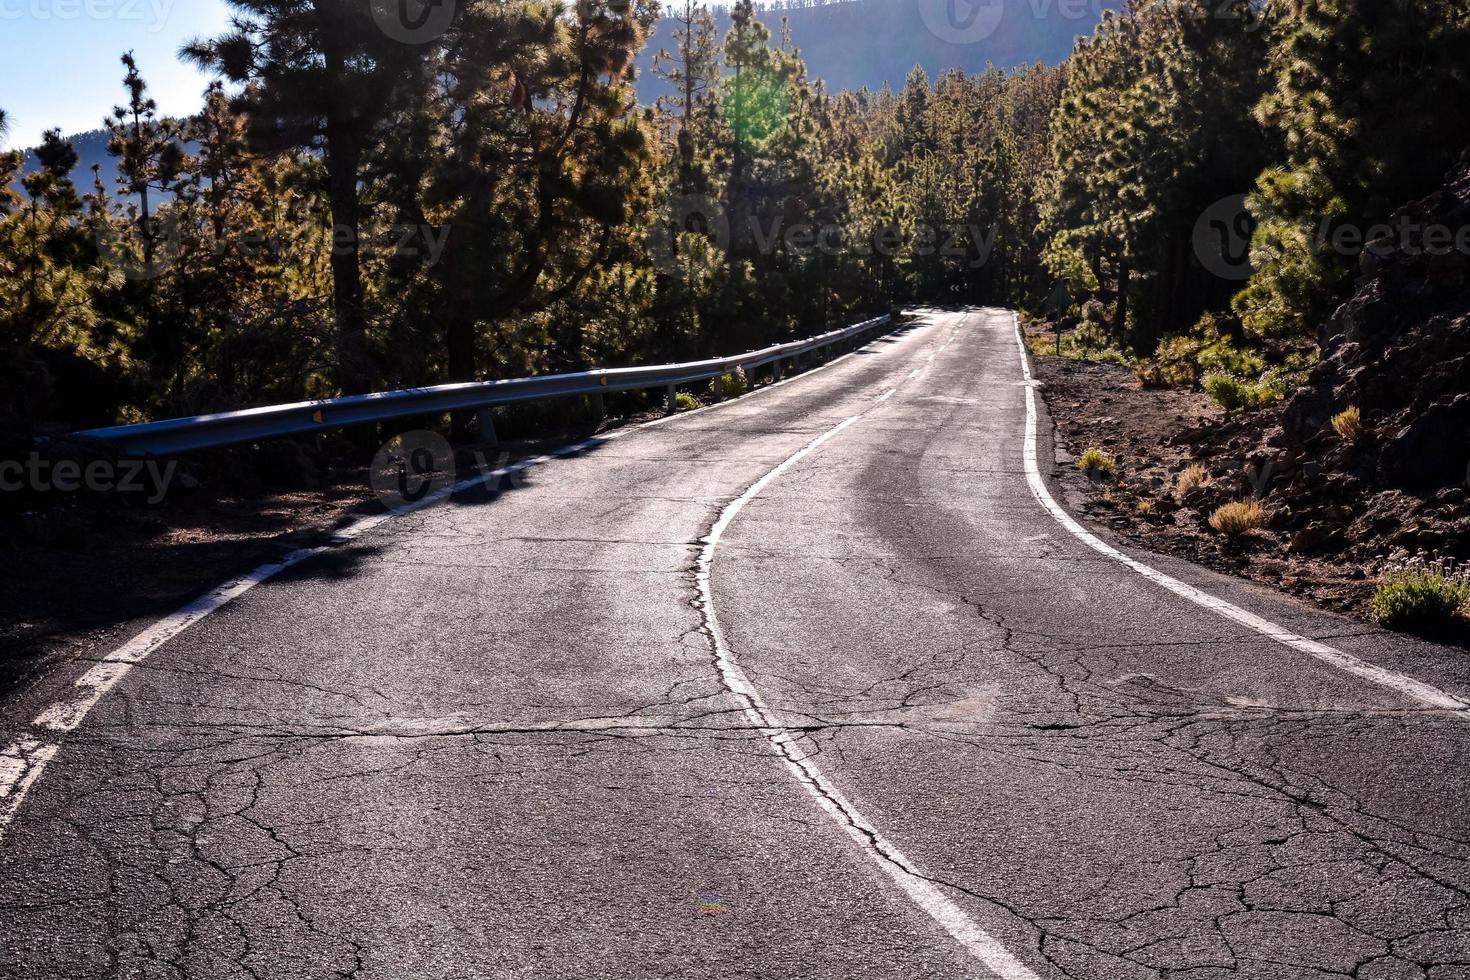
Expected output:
(80, 599)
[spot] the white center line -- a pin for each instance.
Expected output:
(1415, 690)
(921, 889)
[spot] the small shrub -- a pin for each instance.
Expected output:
(735, 383)
(1095, 314)
(1265, 394)
(1089, 337)
(1177, 361)
(1092, 333)
(1421, 596)
(1041, 344)
(1221, 358)
(1235, 394)
(1181, 361)
(1194, 476)
(1292, 373)
(685, 402)
(1279, 382)
(1110, 355)
(1238, 518)
(1073, 348)
(1096, 463)
(1348, 424)
(1229, 392)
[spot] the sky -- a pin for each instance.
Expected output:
(59, 59)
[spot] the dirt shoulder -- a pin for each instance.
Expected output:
(1326, 545)
(76, 581)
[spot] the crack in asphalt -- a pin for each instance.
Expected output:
(1284, 872)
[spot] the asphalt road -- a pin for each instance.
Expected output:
(811, 685)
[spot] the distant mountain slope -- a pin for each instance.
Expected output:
(91, 147)
(865, 43)
(850, 45)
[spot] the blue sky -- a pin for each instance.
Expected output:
(59, 58)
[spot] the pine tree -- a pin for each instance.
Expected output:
(692, 70)
(546, 163)
(750, 102)
(148, 151)
(1151, 131)
(10, 163)
(912, 114)
(323, 75)
(1344, 73)
(691, 114)
(46, 271)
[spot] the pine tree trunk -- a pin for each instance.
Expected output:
(342, 159)
(1120, 309)
(460, 343)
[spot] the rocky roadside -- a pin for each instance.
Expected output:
(1341, 501)
(1154, 435)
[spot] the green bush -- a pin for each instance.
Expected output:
(1229, 392)
(734, 384)
(1221, 358)
(685, 402)
(1173, 364)
(1184, 360)
(1090, 337)
(1073, 347)
(1236, 394)
(1420, 598)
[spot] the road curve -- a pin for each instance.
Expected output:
(811, 685)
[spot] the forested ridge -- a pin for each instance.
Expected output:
(354, 210)
(853, 44)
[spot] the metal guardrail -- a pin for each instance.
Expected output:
(230, 428)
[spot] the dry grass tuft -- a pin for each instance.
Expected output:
(1096, 463)
(1348, 424)
(1193, 477)
(1238, 518)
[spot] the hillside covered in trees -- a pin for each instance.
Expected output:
(854, 44)
(355, 210)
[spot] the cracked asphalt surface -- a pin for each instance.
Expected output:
(490, 740)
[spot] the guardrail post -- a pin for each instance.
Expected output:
(719, 387)
(671, 400)
(485, 416)
(599, 409)
(776, 370)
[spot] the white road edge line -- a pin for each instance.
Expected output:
(20, 765)
(920, 889)
(22, 762)
(1415, 690)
